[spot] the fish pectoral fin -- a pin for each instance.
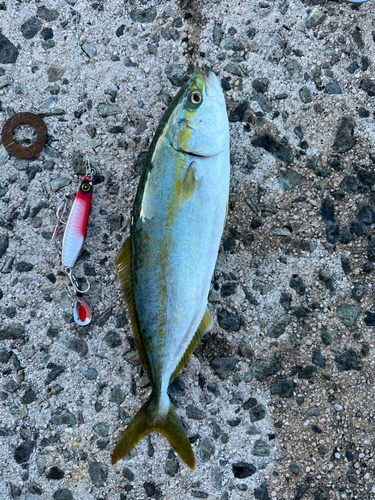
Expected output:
(142, 424)
(190, 184)
(124, 273)
(204, 325)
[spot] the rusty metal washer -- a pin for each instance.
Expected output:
(14, 149)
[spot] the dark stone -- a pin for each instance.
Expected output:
(366, 176)
(263, 368)
(175, 74)
(29, 397)
(344, 140)
(8, 52)
(357, 37)
(90, 374)
(332, 231)
(61, 417)
(260, 85)
(318, 359)
(295, 469)
(261, 492)
(217, 34)
(274, 147)
(4, 243)
(4, 356)
(332, 88)
(144, 16)
(55, 473)
(352, 68)
(305, 94)
(199, 494)
(24, 266)
(150, 489)
(172, 467)
(326, 210)
(228, 244)
(363, 113)
(260, 449)
(46, 33)
(206, 449)
(31, 27)
(116, 395)
(238, 113)
(348, 361)
(228, 289)
(77, 345)
(121, 321)
(358, 228)
(194, 413)
(315, 18)
(120, 30)
(366, 215)
(128, 474)
(98, 473)
(242, 470)
(234, 422)
(357, 291)
(23, 452)
(250, 297)
(289, 181)
(117, 129)
(63, 494)
(346, 235)
(12, 331)
(307, 372)
(258, 413)
(279, 327)
(348, 314)
(345, 264)
(101, 429)
(300, 312)
(282, 388)
(371, 250)
(369, 318)
(55, 371)
(103, 318)
(350, 184)
(297, 284)
(228, 321)
(223, 366)
(301, 491)
(47, 14)
(113, 339)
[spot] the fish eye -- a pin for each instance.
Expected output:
(85, 187)
(195, 98)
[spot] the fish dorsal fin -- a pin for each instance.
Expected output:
(202, 328)
(124, 273)
(190, 184)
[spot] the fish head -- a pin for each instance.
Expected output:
(198, 124)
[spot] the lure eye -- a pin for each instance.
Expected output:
(85, 186)
(195, 98)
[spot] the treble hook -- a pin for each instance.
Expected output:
(74, 281)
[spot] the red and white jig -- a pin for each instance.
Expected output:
(74, 236)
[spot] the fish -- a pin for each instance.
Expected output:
(166, 265)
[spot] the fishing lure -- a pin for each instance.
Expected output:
(74, 236)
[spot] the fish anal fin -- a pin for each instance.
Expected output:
(200, 331)
(190, 184)
(123, 269)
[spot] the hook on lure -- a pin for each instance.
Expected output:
(74, 235)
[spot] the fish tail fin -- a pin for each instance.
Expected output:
(147, 420)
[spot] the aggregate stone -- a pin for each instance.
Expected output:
(260, 449)
(31, 27)
(332, 231)
(108, 109)
(315, 18)
(345, 140)
(263, 368)
(318, 359)
(98, 473)
(89, 50)
(116, 395)
(305, 94)
(8, 52)
(90, 374)
(366, 215)
(348, 361)
(357, 291)
(63, 494)
(258, 413)
(29, 397)
(175, 74)
(276, 148)
(242, 470)
(23, 452)
(282, 388)
(4, 243)
(332, 88)
(194, 413)
(358, 228)
(346, 235)
(113, 339)
(101, 428)
(369, 318)
(54, 372)
(289, 180)
(47, 14)
(60, 417)
(348, 314)
(223, 366)
(228, 321)
(297, 284)
(206, 449)
(24, 266)
(12, 331)
(77, 345)
(307, 372)
(261, 492)
(143, 16)
(279, 327)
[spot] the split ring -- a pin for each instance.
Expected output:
(14, 149)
